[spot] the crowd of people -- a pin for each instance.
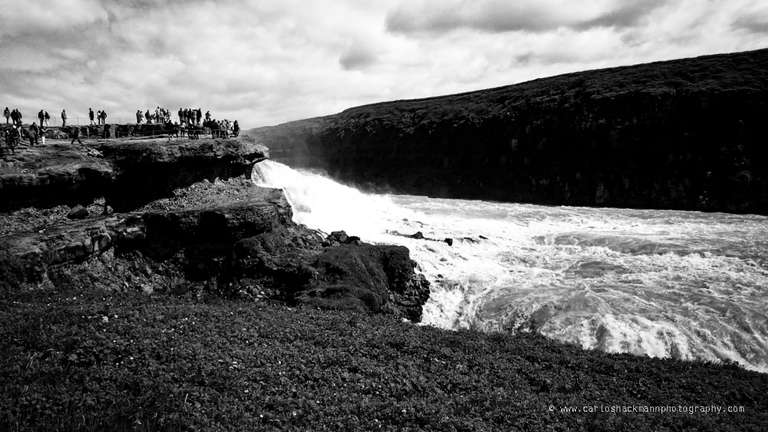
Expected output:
(159, 116)
(186, 116)
(100, 117)
(222, 128)
(188, 119)
(13, 116)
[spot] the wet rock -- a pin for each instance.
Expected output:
(78, 212)
(341, 237)
(594, 269)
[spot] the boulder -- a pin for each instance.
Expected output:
(78, 212)
(341, 274)
(341, 237)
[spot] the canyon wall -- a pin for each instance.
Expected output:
(684, 134)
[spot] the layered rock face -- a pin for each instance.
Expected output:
(228, 238)
(145, 171)
(684, 134)
(128, 173)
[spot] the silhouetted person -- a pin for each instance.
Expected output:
(75, 134)
(139, 116)
(47, 118)
(12, 137)
(40, 116)
(63, 118)
(103, 117)
(198, 116)
(207, 116)
(235, 129)
(34, 133)
(6, 114)
(90, 115)
(148, 117)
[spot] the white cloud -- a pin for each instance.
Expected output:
(273, 61)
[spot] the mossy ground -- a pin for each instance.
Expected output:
(96, 361)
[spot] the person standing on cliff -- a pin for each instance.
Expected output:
(6, 114)
(40, 116)
(103, 117)
(63, 118)
(139, 116)
(90, 115)
(47, 118)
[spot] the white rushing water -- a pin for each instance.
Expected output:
(686, 285)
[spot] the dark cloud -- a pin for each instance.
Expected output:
(356, 58)
(629, 14)
(491, 17)
(752, 24)
(498, 17)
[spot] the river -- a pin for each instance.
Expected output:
(686, 285)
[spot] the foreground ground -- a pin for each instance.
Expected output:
(96, 361)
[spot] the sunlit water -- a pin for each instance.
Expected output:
(676, 284)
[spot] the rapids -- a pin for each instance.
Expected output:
(661, 283)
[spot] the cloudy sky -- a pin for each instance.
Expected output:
(266, 62)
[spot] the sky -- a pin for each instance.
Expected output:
(267, 62)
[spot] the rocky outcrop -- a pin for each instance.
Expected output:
(227, 238)
(28, 257)
(128, 173)
(148, 170)
(350, 276)
(51, 175)
(684, 134)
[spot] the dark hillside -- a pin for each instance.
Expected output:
(132, 362)
(683, 134)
